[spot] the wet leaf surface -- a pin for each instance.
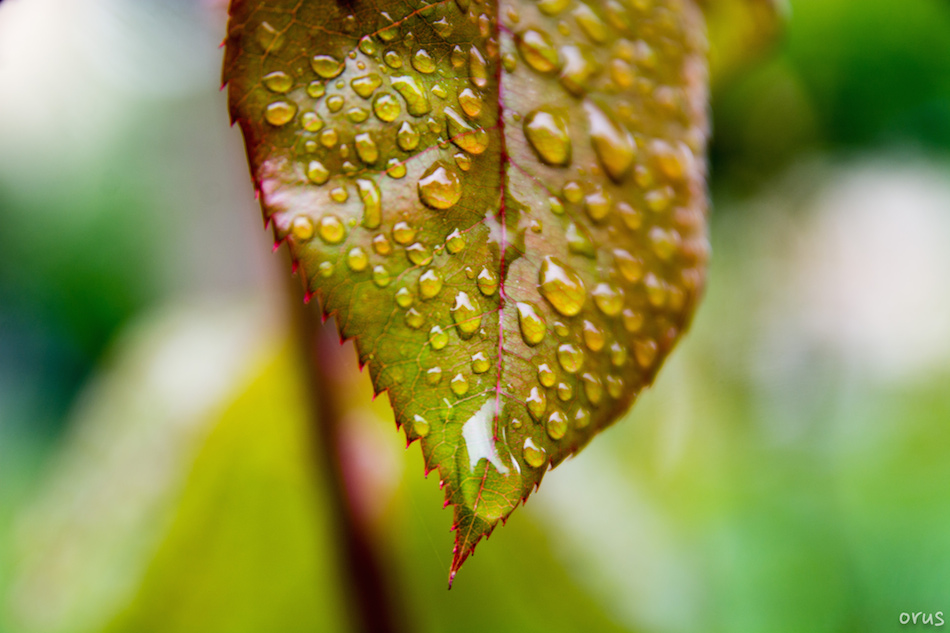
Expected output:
(504, 205)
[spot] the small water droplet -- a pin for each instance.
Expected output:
(419, 426)
(593, 388)
(608, 298)
(438, 337)
(367, 45)
(395, 168)
(570, 358)
(407, 137)
(339, 194)
(579, 67)
(487, 282)
(386, 107)
(381, 245)
(621, 73)
(534, 456)
(381, 276)
(404, 297)
(325, 269)
(434, 376)
(316, 89)
(326, 66)
(470, 102)
(548, 135)
(403, 233)
(546, 375)
(659, 200)
(430, 284)
(663, 243)
(317, 173)
(572, 191)
(335, 103)
(366, 148)
(629, 266)
(594, 337)
(579, 241)
(565, 391)
(459, 385)
(532, 325)
(467, 314)
(311, 121)
(280, 113)
(656, 290)
(357, 259)
(473, 140)
(419, 254)
(536, 403)
(455, 242)
(614, 386)
(538, 50)
(423, 62)
(331, 229)
(480, 363)
(366, 85)
(442, 27)
(392, 59)
(597, 204)
(328, 137)
(417, 102)
(302, 228)
(414, 318)
(440, 187)
(632, 320)
(582, 418)
(372, 205)
(644, 351)
(618, 354)
(278, 81)
(591, 23)
(556, 425)
(478, 67)
(561, 286)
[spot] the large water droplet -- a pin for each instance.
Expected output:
(614, 146)
(331, 229)
(548, 135)
(546, 375)
(357, 259)
(467, 314)
(317, 173)
(487, 282)
(430, 284)
(366, 85)
(278, 81)
(407, 137)
(473, 140)
(578, 69)
(534, 456)
(538, 50)
(326, 66)
(423, 62)
(417, 102)
(440, 187)
(532, 325)
(366, 148)
(561, 286)
(570, 358)
(536, 403)
(280, 113)
(386, 107)
(556, 425)
(470, 102)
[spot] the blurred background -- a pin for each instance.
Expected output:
(790, 471)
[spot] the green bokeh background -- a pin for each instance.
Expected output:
(790, 471)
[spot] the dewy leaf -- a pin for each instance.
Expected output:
(504, 205)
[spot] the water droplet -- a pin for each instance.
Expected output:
(582, 418)
(470, 102)
(467, 314)
(561, 286)
(339, 194)
(302, 228)
(457, 57)
(455, 242)
(404, 297)
(515, 423)
(509, 62)
(546, 375)
(644, 351)
(280, 113)
(366, 85)
(417, 102)
(632, 320)
(328, 138)
(316, 89)
(325, 269)
(381, 245)
(414, 318)
(317, 173)
(614, 386)
(591, 23)
(538, 50)
(579, 66)
(326, 66)
(622, 73)
(419, 254)
(423, 62)
(532, 325)
(407, 137)
(593, 388)
(331, 229)
(548, 135)
(614, 146)
(474, 140)
(434, 376)
(440, 91)
(311, 121)
(335, 103)
(629, 266)
(440, 187)
(578, 240)
(618, 354)
(597, 204)
(570, 358)
(480, 363)
(534, 456)
(593, 337)
(656, 290)
(430, 284)
(403, 233)
(552, 7)
(487, 282)
(357, 259)
(572, 191)
(270, 39)
(381, 276)
(459, 385)
(630, 216)
(442, 27)
(608, 298)
(372, 205)
(663, 243)
(367, 45)
(392, 59)
(536, 403)
(658, 200)
(565, 391)
(556, 425)
(278, 81)
(478, 67)
(438, 337)
(366, 148)
(419, 426)
(557, 207)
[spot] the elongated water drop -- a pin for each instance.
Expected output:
(548, 135)
(326, 66)
(556, 425)
(532, 325)
(467, 314)
(372, 204)
(534, 456)
(440, 187)
(417, 102)
(561, 286)
(430, 284)
(614, 146)
(538, 50)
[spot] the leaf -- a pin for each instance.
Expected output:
(506, 211)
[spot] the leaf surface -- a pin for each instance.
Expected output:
(504, 205)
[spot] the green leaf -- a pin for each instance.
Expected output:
(507, 211)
